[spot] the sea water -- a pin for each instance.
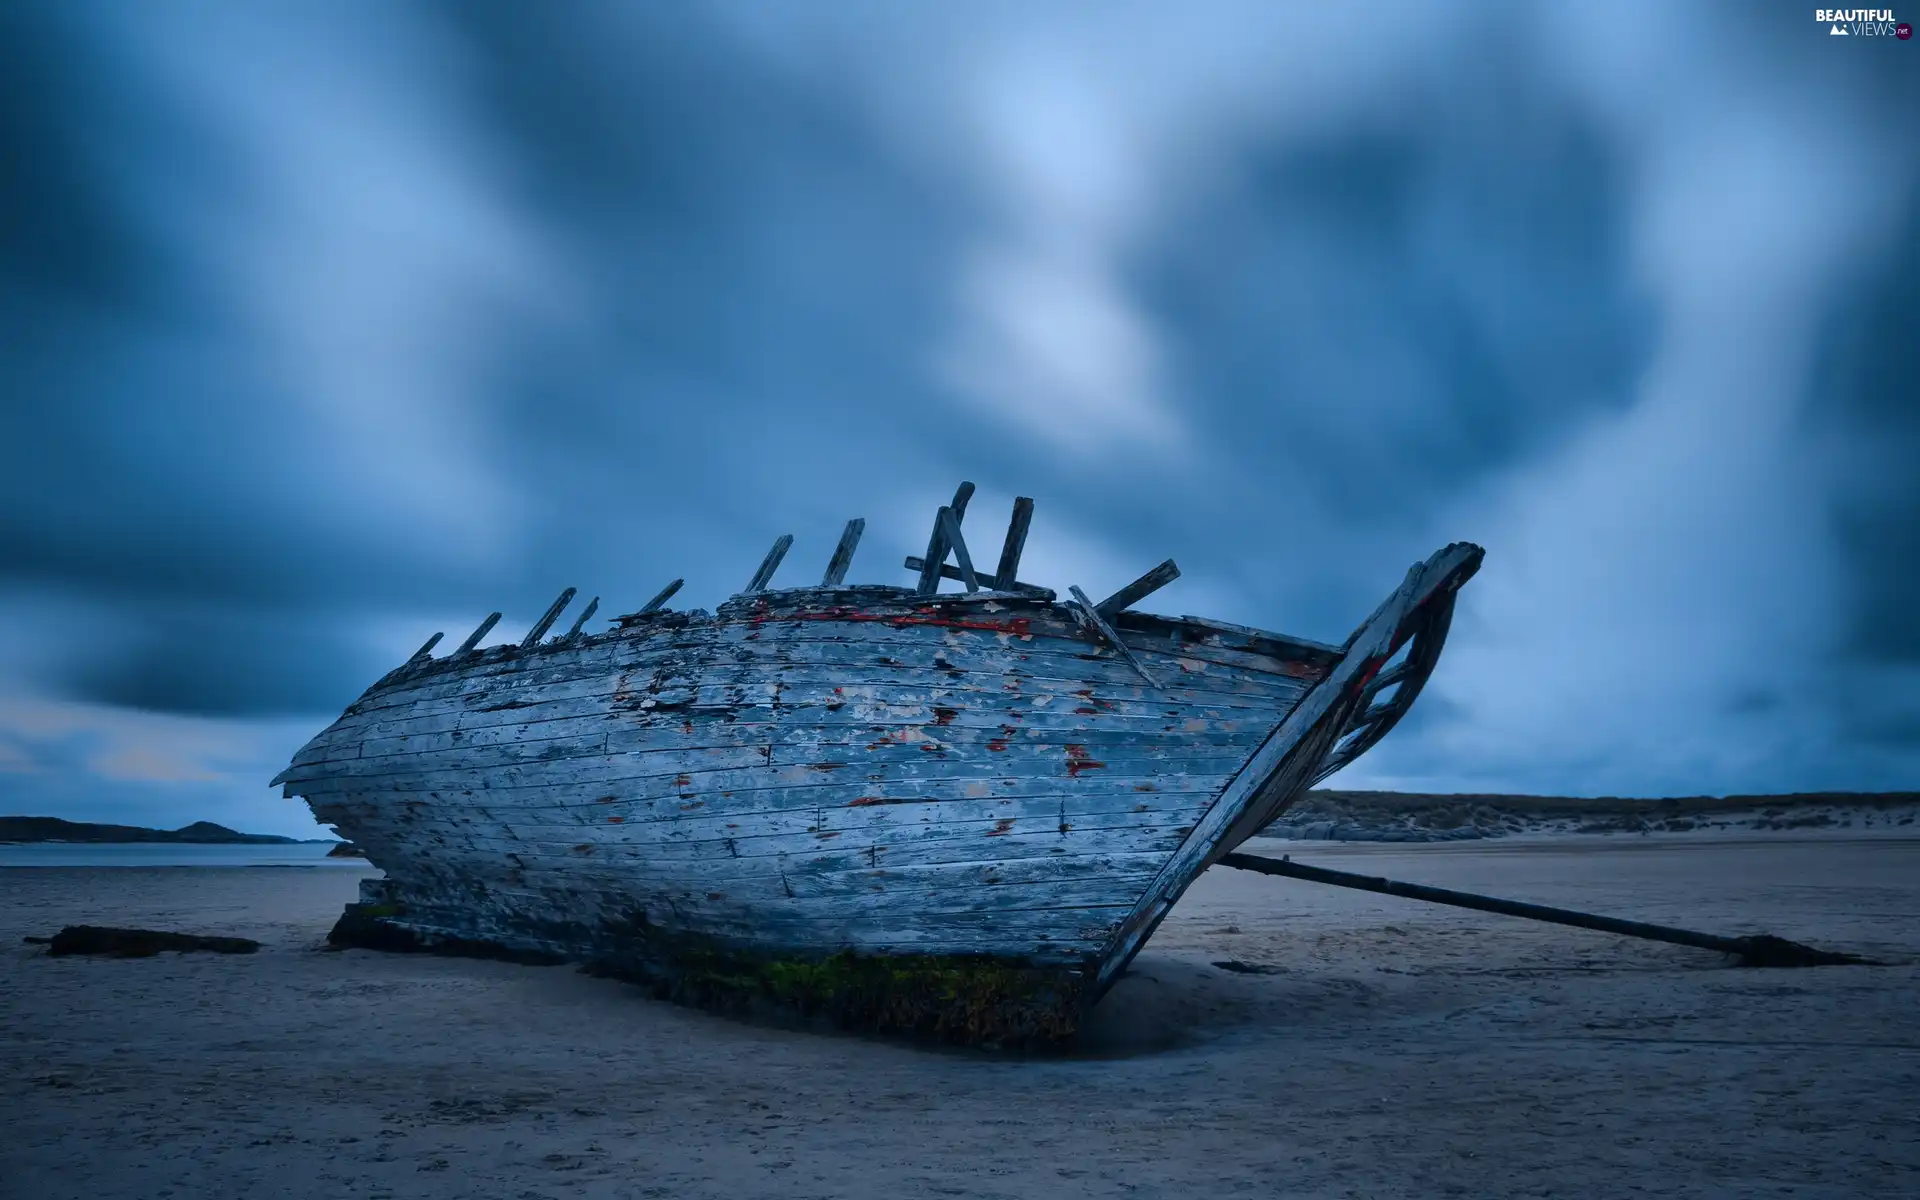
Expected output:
(170, 854)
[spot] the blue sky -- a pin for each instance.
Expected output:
(325, 327)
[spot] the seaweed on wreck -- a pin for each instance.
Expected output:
(977, 1000)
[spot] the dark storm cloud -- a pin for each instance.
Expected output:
(327, 329)
(224, 664)
(1868, 380)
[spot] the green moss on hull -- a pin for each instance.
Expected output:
(957, 999)
(964, 1000)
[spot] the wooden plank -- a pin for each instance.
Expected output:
(961, 495)
(416, 661)
(843, 553)
(937, 544)
(1099, 625)
(992, 582)
(957, 666)
(875, 696)
(546, 620)
(1258, 637)
(833, 673)
(930, 566)
(950, 531)
(770, 563)
(816, 735)
(1016, 543)
(1138, 590)
(661, 597)
(473, 639)
(590, 758)
(580, 621)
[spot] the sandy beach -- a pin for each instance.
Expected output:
(1382, 1049)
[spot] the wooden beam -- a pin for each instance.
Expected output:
(473, 639)
(1016, 542)
(843, 553)
(950, 529)
(991, 582)
(930, 566)
(665, 594)
(1138, 590)
(406, 668)
(770, 563)
(1099, 625)
(1388, 677)
(586, 615)
(937, 545)
(426, 651)
(546, 620)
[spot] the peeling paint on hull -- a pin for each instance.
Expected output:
(950, 815)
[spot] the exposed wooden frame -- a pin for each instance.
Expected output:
(1138, 590)
(546, 620)
(843, 553)
(473, 639)
(1090, 616)
(770, 563)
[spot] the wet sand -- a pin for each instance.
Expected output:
(1390, 1049)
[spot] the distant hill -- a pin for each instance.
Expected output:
(53, 829)
(1343, 816)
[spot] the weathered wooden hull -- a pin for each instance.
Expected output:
(954, 814)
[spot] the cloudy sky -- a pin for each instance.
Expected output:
(326, 326)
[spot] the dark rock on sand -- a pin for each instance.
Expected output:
(137, 943)
(346, 850)
(1246, 968)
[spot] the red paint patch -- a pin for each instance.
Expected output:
(831, 833)
(694, 805)
(998, 743)
(604, 800)
(682, 781)
(716, 895)
(1018, 626)
(1145, 787)
(825, 766)
(616, 820)
(1079, 760)
(1084, 711)
(1001, 827)
(864, 801)
(944, 716)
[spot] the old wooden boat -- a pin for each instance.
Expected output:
(960, 813)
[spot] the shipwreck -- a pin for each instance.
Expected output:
(958, 814)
